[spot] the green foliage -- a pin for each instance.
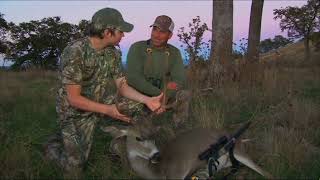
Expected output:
(40, 43)
(271, 44)
(192, 40)
(240, 49)
(3, 33)
(83, 27)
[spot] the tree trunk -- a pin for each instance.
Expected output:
(221, 47)
(222, 32)
(4, 62)
(255, 30)
(306, 48)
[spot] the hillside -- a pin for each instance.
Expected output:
(292, 52)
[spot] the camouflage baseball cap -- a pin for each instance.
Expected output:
(164, 22)
(110, 18)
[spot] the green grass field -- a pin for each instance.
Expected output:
(284, 107)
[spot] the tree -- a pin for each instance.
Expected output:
(3, 31)
(254, 30)
(300, 22)
(192, 40)
(40, 43)
(83, 27)
(271, 44)
(197, 51)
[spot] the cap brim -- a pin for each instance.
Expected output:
(126, 27)
(157, 25)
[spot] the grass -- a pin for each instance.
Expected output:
(284, 107)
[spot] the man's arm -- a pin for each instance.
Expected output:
(71, 78)
(125, 90)
(178, 74)
(77, 100)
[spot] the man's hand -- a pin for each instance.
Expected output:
(160, 110)
(154, 103)
(113, 112)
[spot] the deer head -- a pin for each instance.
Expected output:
(137, 137)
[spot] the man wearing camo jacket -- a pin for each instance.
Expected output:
(90, 76)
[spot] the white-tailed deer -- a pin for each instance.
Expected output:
(179, 158)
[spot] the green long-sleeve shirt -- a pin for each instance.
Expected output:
(152, 83)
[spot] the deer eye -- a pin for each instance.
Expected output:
(139, 139)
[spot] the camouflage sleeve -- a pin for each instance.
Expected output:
(71, 72)
(117, 68)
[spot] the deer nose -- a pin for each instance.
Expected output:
(155, 158)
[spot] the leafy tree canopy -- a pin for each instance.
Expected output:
(300, 22)
(41, 42)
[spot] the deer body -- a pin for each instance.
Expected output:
(179, 157)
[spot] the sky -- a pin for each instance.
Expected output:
(143, 13)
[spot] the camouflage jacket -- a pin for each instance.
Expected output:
(94, 70)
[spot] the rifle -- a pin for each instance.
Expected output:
(222, 146)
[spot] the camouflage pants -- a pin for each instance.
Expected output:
(70, 148)
(201, 174)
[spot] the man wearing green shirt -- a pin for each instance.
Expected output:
(90, 77)
(154, 66)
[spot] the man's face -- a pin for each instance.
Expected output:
(114, 39)
(159, 38)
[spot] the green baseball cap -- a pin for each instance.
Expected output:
(110, 18)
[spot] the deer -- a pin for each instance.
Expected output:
(179, 158)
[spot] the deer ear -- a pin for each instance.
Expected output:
(115, 132)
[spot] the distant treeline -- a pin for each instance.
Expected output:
(37, 43)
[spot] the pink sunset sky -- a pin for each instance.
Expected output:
(143, 13)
